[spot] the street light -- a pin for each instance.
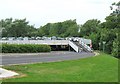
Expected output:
(99, 45)
(1, 28)
(104, 46)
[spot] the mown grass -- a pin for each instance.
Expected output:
(102, 68)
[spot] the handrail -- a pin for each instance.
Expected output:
(85, 45)
(75, 47)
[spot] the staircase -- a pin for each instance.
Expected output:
(80, 46)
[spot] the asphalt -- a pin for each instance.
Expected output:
(16, 58)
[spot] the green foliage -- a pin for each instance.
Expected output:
(62, 29)
(54, 29)
(105, 31)
(95, 40)
(44, 30)
(109, 30)
(107, 35)
(91, 29)
(17, 28)
(72, 31)
(25, 48)
(116, 47)
(91, 26)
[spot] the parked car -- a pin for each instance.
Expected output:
(32, 38)
(48, 38)
(53, 38)
(38, 38)
(11, 38)
(59, 38)
(71, 38)
(4, 38)
(25, 38)
(19, 38)
(76, 39)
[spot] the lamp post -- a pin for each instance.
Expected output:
(1, 28)
(99, 45)
(104, 46)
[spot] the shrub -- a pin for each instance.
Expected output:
(25, 48)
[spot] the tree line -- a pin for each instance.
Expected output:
(99, 32)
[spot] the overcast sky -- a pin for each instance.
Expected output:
(41, 12)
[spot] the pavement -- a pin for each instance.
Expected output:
(16, 58)
(7, 73)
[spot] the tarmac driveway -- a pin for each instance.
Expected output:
(10, 59)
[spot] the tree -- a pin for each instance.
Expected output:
(91, 26)
(5, 24)
(32, 31)
(91, 30)
(54, 29)
(44, 30)
(116, 47)
(16, 28)
(72, 30)
(95, 37)
(109, 30)
(63, 29)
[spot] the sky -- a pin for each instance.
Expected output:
(41, 12)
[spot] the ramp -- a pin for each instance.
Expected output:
(80, 46)
(74, 46)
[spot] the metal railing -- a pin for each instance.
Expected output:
(85, 45)
(47, 42)
(75, 47)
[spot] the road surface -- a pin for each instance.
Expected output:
(10, 59)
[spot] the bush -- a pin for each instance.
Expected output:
(25, 48)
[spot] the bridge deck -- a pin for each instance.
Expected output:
(47, 42)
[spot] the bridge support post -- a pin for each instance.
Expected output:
(69, 47)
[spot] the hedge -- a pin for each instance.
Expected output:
(25, 48)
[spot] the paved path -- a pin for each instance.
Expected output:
(7, 73)
(9, 59)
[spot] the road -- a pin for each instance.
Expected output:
(10, 59)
